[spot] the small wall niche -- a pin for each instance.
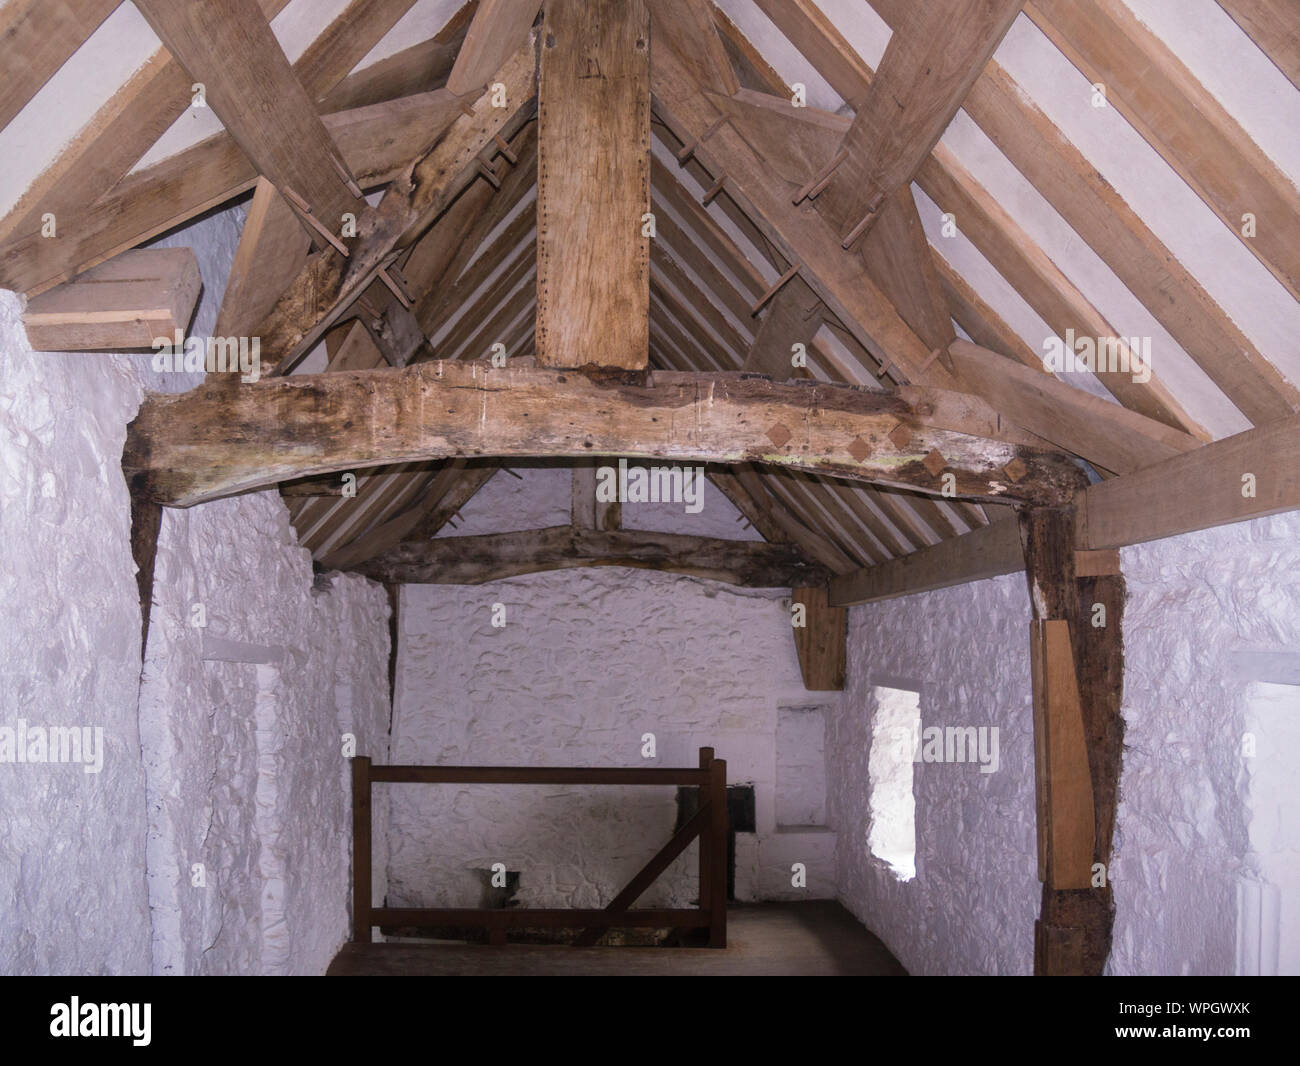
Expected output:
(801, 766)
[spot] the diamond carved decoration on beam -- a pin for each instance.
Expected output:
(934, 462)
(780, 435)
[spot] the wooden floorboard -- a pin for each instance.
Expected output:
(818, 938)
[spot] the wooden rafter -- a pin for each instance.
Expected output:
(801, 233)
(40, 36)
(1274, 25)
(932, 59)
(987, 552)
(1083, 197)
(1245, 476)
(989, 226)
(411, 202)
(1183, 121)
(121, 132)
(498, 28)
(377, 142)
(1128, 246)
(1105, 433)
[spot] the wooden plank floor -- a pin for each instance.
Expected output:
(819, 938)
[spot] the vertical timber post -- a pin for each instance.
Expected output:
(706, 833)
(361, 849)
(718, 856)
(1077, 667)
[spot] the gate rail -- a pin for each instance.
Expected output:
(709, 823)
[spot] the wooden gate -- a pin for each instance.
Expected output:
(709, 823)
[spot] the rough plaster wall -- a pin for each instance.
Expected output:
(1273, 720)
(1182, 834)
(244, 762)
(588, 661)
(72, 844)
(972, 905)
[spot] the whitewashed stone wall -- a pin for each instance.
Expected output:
(587, 663)
(244, 761)
(971, 907)
(1183, 837)
(72, 844)
(237, 766)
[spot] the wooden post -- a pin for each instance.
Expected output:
(706, 833)
(361, 849)
(496, 928)
(1077, 660)
(821, 641)
(718, 857)
(593, 184)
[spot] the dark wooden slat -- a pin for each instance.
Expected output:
(706, 831)
(548, 919)
(538, 775)
(716, 906)
(363, 917)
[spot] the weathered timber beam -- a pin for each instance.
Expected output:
(989, 551)
(494, 556)
(260, 100)
(1248, 475)
(185, 449)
